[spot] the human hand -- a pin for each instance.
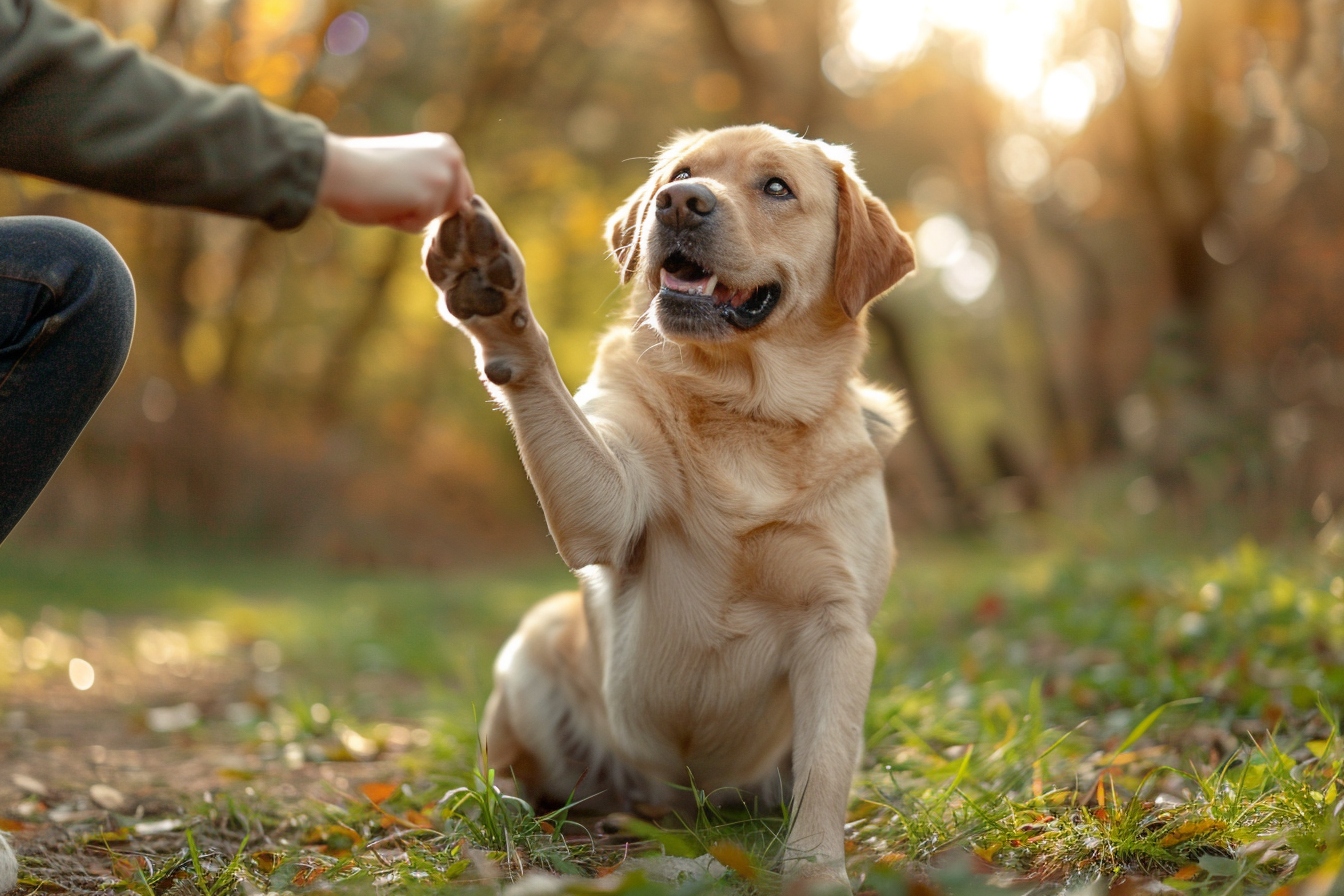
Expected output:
(404, 181)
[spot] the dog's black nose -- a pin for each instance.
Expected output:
(684, 205)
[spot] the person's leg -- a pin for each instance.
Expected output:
(67, 307)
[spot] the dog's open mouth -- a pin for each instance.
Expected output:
(684, 281)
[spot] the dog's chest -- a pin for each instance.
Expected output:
(675, 700)
(743, 473)
(702, 623)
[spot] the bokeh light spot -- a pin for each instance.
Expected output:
(1142, 496)
(1024, 162)
(1222, 240)
(1152, 28)
(81, 674)
(158, 402)
(1105, 56)
(347, 33)
(881, 34)
(1156, 14)
(266, 655)
(203, 351)
(967, 278)
(1068, 96)
(941, 240)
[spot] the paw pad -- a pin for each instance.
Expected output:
(473, 265)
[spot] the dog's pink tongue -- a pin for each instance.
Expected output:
(722, 295)
(676, 284)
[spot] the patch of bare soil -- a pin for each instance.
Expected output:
(98, 787)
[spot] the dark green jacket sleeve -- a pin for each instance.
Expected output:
(83, 109)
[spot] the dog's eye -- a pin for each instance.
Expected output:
(682, 174)
(777, 188)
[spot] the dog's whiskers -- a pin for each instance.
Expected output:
(645, 319)
(651, 347)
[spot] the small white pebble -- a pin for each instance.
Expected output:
(109, 798)
(29, 784)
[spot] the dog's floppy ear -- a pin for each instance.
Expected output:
(623, 231)
(871, 253)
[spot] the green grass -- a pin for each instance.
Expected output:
(1047, 716)
(436, 635)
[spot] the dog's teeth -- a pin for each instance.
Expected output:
(713, 281)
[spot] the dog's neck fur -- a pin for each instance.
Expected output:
(770, 378)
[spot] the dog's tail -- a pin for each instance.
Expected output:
(884, 413)
(9, 866)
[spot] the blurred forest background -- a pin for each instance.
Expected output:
(1128, 216)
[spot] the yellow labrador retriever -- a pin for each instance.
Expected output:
(716, 485)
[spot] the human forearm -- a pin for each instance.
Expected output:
(80, 108)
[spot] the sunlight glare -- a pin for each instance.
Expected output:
(882, 34)
(1021, 41)
(1014, 60)
(1152, 28)
(1067, 99)
(1104, 55)
(1159, 15)
(1019, 45)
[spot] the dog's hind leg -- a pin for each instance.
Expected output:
(544, 725)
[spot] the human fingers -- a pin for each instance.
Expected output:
(461, 187)
(465, 188)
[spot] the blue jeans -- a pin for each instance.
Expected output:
(67, 307)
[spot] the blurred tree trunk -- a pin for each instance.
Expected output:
(1101, 433)
(339, 374)
(237, 329)
(962, 503)
(175, 239)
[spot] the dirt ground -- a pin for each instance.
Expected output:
(96, 783)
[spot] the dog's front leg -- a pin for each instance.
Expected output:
(584, 480)
(829, 680)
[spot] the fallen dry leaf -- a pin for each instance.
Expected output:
(307, 873)
(1191, 829)
(105, 839)
(735, 857)
(129, 867)
(378, 791)
(333, 839)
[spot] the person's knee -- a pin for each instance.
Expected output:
(115, 311)
(94, 288)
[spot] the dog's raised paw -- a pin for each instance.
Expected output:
(473, 263)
